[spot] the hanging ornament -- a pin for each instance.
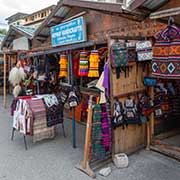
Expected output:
(94, 64)
(63, 62)
(83, 65)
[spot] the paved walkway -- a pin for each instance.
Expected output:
(55, 159)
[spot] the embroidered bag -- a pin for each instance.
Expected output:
(73, 99)
(150, 81)
(131, 51)
(118, 115)
(145, 105)
(144, 50)
(131, 114)
(118, 54)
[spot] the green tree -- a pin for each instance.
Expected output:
(3, 31)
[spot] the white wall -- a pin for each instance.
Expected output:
(21, 44)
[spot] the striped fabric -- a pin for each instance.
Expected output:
(94, 64)
(166, 53)
(84, 64)
(40, 129)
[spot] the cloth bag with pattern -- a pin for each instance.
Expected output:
(144, 51)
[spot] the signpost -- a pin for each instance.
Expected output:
(70, 32)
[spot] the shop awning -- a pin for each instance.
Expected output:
(63, 48)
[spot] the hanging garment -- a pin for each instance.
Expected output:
(94, 64)
(75, 61)
(63, 62)
(166, 53)
(84, 64)
(99, 85)
(106, 81)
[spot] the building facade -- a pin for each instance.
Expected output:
(33, 20)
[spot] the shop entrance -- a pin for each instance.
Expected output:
(167, 115)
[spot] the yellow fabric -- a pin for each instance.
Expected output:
(63, 62)
(94, 65)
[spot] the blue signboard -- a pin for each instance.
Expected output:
(70, 32)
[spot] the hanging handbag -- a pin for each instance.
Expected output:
(118, 54)
(158, 111)
(118, 115)
(72, 99)
(144, 51)
(131, 51)
(150, 81)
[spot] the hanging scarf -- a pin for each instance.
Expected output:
(63, 62)
(83, 65)
(98, 148)
(94, 64)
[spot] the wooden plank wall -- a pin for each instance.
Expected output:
(131, 138)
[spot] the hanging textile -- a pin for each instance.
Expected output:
(40, 129)
(75, 61)
(101, 131)
(98, 148)
(94, 64)
(63, 62)
(106, 133)
(106, 81)
(54, 109)
(166, 53)
(99, 85)
(83, 65)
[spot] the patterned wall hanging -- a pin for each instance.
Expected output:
(166, 53)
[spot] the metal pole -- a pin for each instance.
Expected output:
(4, 79)
(73, 109)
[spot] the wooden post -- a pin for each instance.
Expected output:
(4, 89)
(152, 116)
(150, 124)
(111, 94)
(84, 165)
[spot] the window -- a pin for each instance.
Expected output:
(42, 15)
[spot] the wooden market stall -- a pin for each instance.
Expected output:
(103, 25)
(104, 22)
(164, 127)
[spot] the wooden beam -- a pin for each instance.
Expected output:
(94, 5)
(73, 17)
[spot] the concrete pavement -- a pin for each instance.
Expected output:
(56, 159)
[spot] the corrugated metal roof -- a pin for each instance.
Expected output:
(28, 30)
(62, 12)
(23, 30)
(154, 4)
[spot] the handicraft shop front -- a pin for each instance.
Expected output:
(98, 76)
